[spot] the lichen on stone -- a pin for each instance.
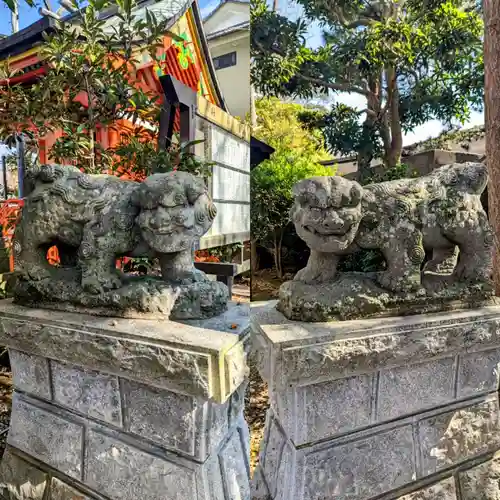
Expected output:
(95, 219)
(439, 214)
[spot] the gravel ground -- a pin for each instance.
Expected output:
(256, 399)
(256, 405)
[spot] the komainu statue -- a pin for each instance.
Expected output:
(438, 215)
(93, 220)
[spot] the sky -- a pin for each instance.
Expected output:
(29, 15)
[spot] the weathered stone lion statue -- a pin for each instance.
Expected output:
(404, 219)
(96, 219)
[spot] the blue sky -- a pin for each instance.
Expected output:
(29, 15)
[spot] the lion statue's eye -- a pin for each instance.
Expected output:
(355, 196)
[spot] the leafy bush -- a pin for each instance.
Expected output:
(271, 194)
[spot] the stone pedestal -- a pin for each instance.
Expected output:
(397, 408)
(122, 409)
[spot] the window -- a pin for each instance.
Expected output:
(225, 61)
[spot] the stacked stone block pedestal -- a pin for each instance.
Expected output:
(114, 409)
(394, 408)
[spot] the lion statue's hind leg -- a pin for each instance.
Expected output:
(404, 255)
(444, 260)
(475, 240)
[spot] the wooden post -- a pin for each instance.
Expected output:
(492, 122)
(177, 95)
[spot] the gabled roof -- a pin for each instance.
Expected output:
(26, 38)
(244, 26)
(221, 4)
(208, 57)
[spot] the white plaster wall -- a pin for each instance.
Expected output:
(229, 14)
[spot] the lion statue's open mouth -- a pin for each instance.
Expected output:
(339, 234)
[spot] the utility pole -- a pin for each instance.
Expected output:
(14, 17)
(492, 122)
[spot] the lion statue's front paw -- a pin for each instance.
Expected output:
(186, 276)
(38, 272)
(399, 283)
(310, 277)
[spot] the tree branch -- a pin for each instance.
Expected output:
(362, 21)
(338, 87)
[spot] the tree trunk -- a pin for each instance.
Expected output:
(92, 151)
(366, 154)
(253, 109)
(277, 256)
(367, 151)
(254, 258)
(492, 121)
(396, 129)
(275, 5)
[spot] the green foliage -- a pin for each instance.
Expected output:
(289, 126)
(91, 83)
(91, 79)
(446, 139)
(411, 61)
(141, 265)
(271, 193)
(142, 157)
(225, 253)
(400, 171)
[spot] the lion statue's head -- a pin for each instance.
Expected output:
(327, 212)
(175, 211)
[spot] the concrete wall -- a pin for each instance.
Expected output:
(420, 163)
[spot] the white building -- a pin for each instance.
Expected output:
(227, 30)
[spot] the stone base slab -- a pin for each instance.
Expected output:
(122, 410)
(138, 297)
(358, 296)
(401, 408)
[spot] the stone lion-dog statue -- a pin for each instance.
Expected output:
(96, 219)
(439, 214)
